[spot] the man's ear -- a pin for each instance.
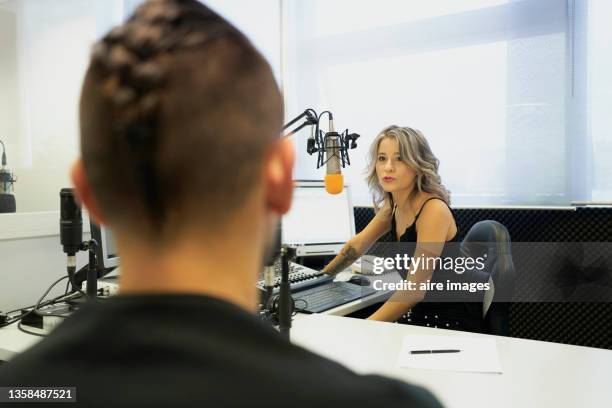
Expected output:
(279, 177)
(84, 193)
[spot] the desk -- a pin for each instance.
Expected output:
(358, 304)
(13, 341)
(535, 373)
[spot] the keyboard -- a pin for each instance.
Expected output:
(329, 295)
(300, 277)
(317, 291)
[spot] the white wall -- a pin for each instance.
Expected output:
(44, 52)
(248, 17)
(27, 268)
(51, 42)
(9, 130)
(44, 48)
(50, 49)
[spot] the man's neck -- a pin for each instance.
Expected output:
(223, 268)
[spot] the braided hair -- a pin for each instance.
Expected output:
(131, 67)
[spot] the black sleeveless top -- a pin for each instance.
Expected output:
(465, 316)
(410, 235)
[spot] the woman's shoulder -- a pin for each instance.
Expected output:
(431, 205)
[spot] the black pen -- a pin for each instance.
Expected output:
(433, 351)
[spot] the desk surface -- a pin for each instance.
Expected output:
(13, 341)
(535, 373)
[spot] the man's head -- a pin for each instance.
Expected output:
(180, 121)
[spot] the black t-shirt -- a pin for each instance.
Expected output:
(189, 350)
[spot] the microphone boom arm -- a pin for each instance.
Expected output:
(316, 144)
(311, 119)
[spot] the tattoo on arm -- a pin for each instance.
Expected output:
(343, 260)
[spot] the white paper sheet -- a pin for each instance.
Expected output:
(478, 354)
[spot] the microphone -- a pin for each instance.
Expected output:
(71, 222)
(334, 180)
(331, 147)
(71, 230)
(7, 199)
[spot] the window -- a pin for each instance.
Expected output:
(487, 81)
(599, 37)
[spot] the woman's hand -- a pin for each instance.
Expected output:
(348, 254)
(359, 244)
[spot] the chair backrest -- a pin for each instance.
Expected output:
(492, 238)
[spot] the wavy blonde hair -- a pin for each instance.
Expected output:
(416, 153)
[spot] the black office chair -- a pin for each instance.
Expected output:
(492, 238)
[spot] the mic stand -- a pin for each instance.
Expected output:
(91, 290)
(92, 269)
(285, 301)
(280, 307)
(284, 307)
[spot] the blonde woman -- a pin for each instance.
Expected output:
(412, 207)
